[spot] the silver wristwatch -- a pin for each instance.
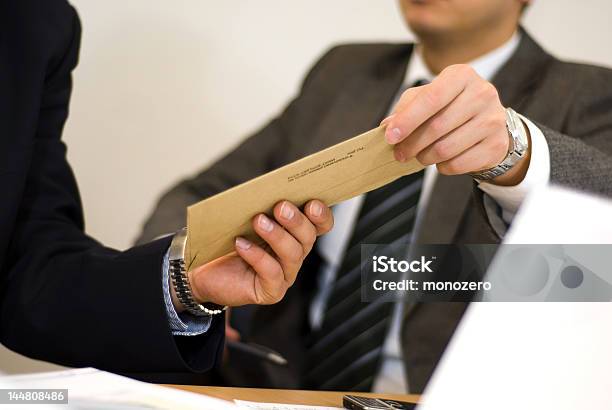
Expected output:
(519, 143)
(180, 281)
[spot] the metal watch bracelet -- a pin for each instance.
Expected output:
(519, 143)
(180, 280)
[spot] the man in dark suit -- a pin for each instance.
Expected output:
(66, 298)
(472, 61)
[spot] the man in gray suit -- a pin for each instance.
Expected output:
(443, 101)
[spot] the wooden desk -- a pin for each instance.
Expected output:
(313, 398)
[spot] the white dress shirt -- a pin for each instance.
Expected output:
(501, 203)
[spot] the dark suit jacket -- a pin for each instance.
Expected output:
(348, 92)
(64, 297)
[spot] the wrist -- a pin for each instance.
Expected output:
(197, 296)
(517, 173)
(181, 281)
(178, 306)
(513, 167)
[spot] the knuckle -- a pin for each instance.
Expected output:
(465, 70)
(487, 91)
(312, 232)
(296, 253)
(307, 246)
(309, 239)
(407, 149)
(404, 98)
(501, 143)
(500, 121)
(424, 158)
(451, 69)
(407, 93)
(438, 125)
(431, 97)
(442, 169)
(494, 123)
(461, 70)
(450, 167)
(442, 150)
(258, 256)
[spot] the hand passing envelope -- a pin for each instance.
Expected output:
(338, 173)
(228, 234)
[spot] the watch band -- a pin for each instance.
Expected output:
(519, 143)
(180, 280)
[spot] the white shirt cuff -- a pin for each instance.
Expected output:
(509, 198)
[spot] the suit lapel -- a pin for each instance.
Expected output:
(365, 100)
(521, 74)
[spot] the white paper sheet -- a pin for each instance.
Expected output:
(94, 389)
(253, 405)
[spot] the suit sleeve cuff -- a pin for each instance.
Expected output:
(183, 324)
(509, 198)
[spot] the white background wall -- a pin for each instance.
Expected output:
(164, 87)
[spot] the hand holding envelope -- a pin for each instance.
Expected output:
(253, 274)
(456, 122)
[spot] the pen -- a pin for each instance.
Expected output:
(259, 351)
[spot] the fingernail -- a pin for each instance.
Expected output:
(243, 243)
(393, 135)
(316, 209)
(399, 155)
(265, 223)
(286, 210)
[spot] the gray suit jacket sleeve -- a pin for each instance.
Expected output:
(264, 151)
(581, 155)
(577, 164)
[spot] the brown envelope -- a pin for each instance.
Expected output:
(337, 173)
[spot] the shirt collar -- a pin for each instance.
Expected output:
(486, 65)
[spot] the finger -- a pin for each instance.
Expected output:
(320, 215)
(287, 249)
(297, 224)
(453, 144)
(430, 99)
(464, 108)
(405, 99)
(477, 158)
(267, 268)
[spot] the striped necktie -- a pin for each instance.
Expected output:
(347, 351)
